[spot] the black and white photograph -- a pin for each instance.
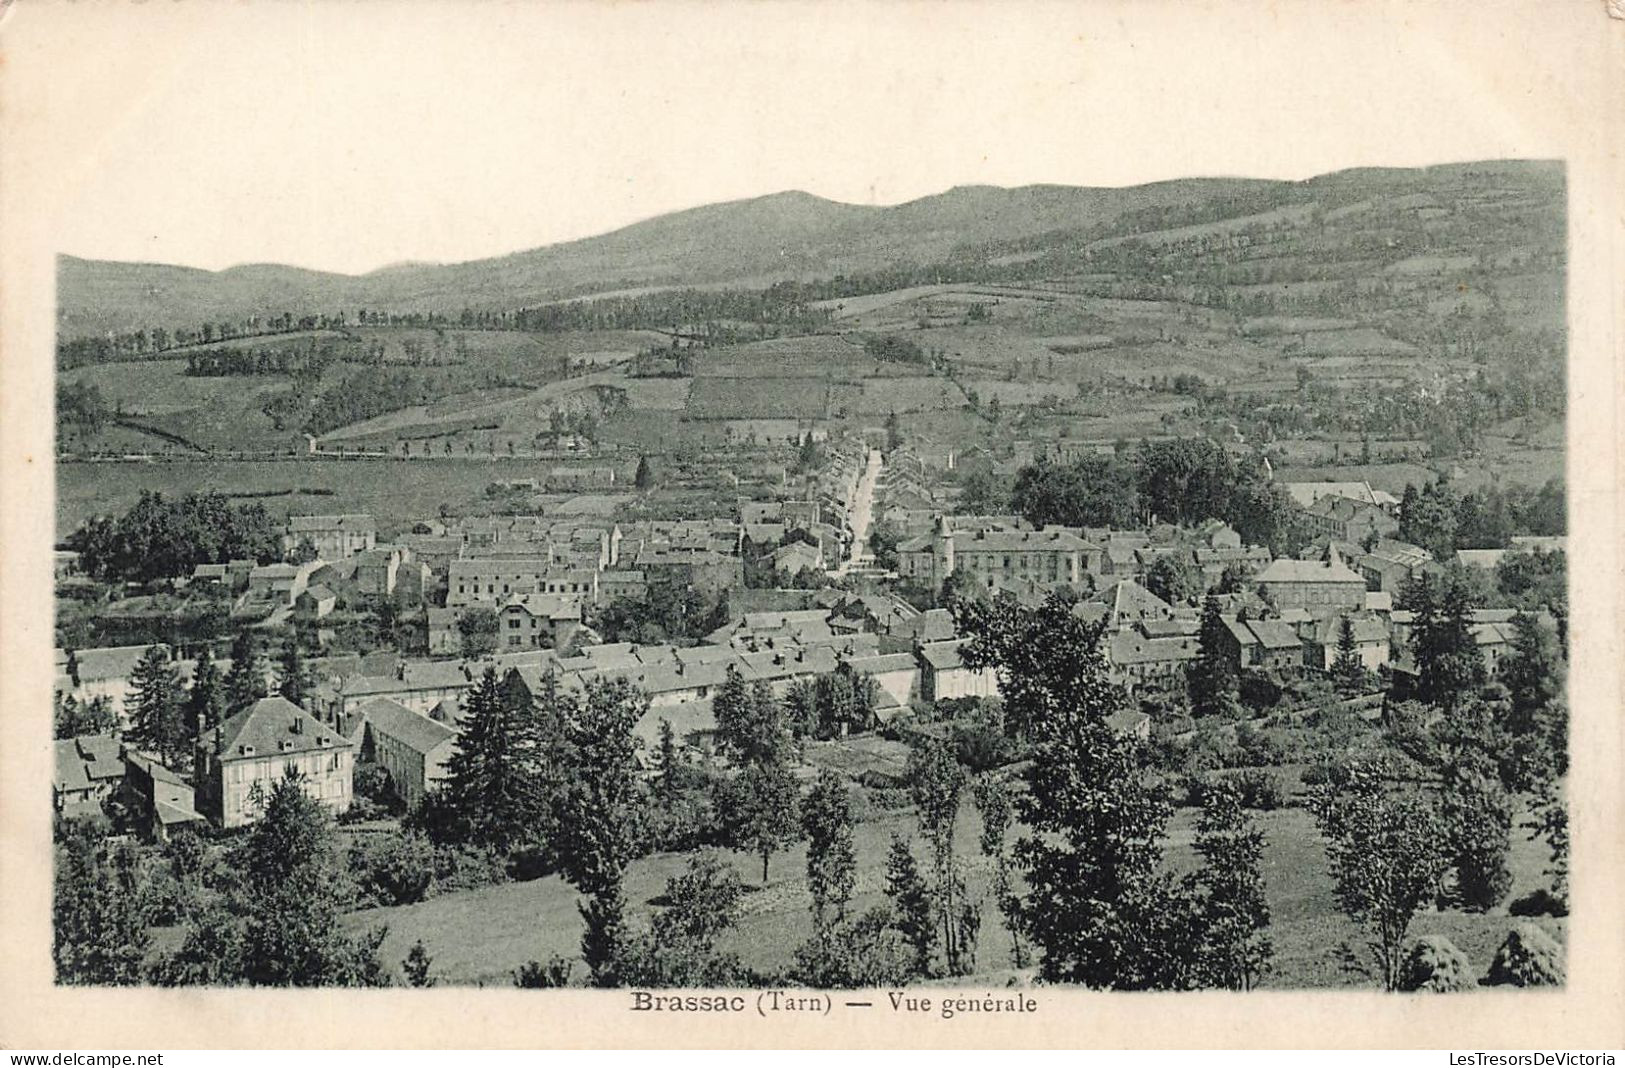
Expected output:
(585, 514)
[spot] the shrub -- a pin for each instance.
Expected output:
(392, 869)
(534, 975)
(1528, 957)
(1258, 789)
(1436, 966)
(980, 746)
(889, 798)
(467, 867)
(1540, 902)
(1316, 775)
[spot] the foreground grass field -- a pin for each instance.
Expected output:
(481, 936)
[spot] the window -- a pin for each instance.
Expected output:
(513, 623)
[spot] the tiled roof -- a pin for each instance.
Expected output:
(392, 720)
(107, 662)
(1287, 570)
(84, 761)
(274, 725)
(310, 523)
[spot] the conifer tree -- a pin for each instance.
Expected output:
(206, 703)
(245, 681)
(155, 703)
(1212, 681)
(294, 675)
(1348, 669)
(1448, 664)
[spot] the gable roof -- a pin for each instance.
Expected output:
(86, 760)
(394, 720)
(261, 730)
(1288, 570)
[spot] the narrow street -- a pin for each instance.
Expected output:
(863, 499)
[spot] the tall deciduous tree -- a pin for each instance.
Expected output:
(1387, 855)
(761, 810)
(936, 781)
(99, 932)
(832, 872)
(1097, 906)
(1235, 951)
(911, 903)
(292, 876)
(994, 806)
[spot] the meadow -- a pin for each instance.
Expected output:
(394, 492)
(481, 936)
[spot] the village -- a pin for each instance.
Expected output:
(830, 634)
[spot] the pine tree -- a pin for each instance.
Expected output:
(493, 783)
(644, 479)
(1448, 664)
(1348, 669)
(245, 681)
(295, 676)
(826, 820)
(1532, 672)
(1211, 680)
(155, 703)
(206, 703)
(911, 902)
(669, 784)
(603, 814)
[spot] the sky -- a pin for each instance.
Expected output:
(349, 136)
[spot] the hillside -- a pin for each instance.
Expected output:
(757, 241)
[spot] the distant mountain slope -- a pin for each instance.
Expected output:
(749, 242)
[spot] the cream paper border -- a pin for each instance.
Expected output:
(1522, 78)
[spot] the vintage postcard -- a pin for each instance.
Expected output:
(877, 524)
